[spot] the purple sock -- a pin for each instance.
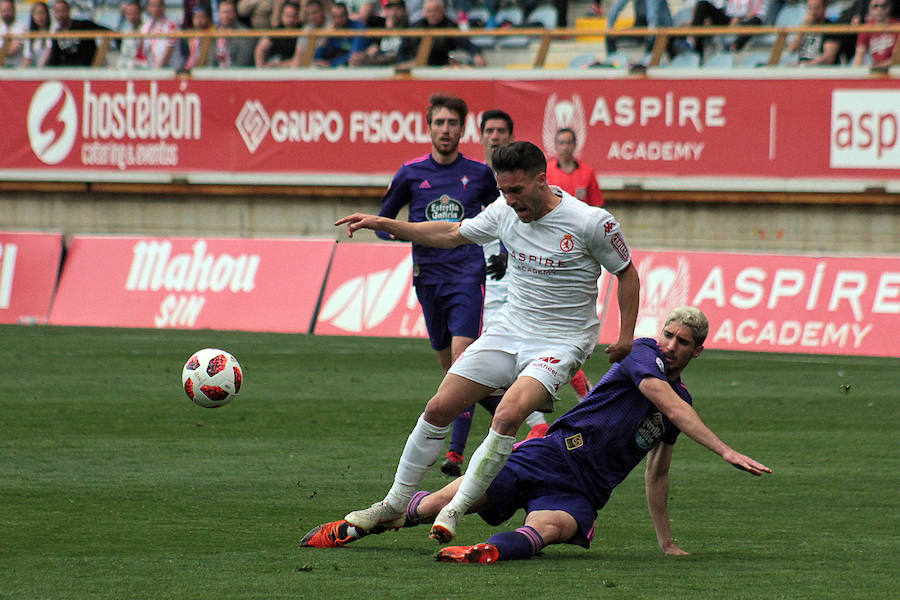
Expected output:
(412, 517)
(524, 542)
(461, 426)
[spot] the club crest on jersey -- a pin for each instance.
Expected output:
(567, 243)
(445, 208)
(649, 431)
(574, 441)
(464, 180)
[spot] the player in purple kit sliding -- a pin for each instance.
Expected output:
(562, 480)
(445, 186)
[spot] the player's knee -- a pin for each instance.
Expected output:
(441, 410)
(507, 419)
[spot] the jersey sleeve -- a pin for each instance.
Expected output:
(644, 361)
(396, 197)
(484, 227)
(606, 242)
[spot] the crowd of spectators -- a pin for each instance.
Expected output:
(277, 51)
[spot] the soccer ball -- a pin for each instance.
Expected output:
(212, 377)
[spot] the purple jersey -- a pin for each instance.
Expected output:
(437, 192)
(604, 437)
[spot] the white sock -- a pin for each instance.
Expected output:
(536, 418)
(484, 465)
(423, 447)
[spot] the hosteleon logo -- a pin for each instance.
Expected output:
(52, 122)
(253, 124)
(559, 114)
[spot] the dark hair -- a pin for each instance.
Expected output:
(32, 26)
(566, 130)
(452, 103)
(286, 4)
(496, 114)
(519, 156)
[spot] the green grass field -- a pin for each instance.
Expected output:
(114, 485)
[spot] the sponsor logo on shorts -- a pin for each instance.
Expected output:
(567, 244)
(574, 441)
(649, 431)
(549, 359)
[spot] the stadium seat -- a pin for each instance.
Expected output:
(546, 15)
(482, 15)
(719, 60)
(685, 60)
(755, 59)
(511, 16)
(618, 60)
(582, 61)
(682, 16)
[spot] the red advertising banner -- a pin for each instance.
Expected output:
(29, 265)
(369, 292)
(192, 283)
(762, 302)
(640, 128)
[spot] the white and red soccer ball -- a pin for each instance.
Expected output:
(212, 377)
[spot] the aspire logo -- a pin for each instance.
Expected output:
(52, 122)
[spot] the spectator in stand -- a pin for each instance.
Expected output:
(736, 12)
(815, 48)
(72, 52)
(278, 51)
(854, 14)
(879, 46)
(336, 51)
(187, 16)
(232, 51)
(313, 18)
(36, 51)
(161, 52)
(131, 52)
(657, 15)
(384, 51)
(366, 12)
(256, 14)
(191, 48)
(13, 50)
(575, 177)
(435, 12)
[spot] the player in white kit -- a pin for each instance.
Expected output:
(547, 328)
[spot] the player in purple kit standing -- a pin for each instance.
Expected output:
(445, 186)
(562, 480)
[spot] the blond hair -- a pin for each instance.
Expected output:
(693, 318)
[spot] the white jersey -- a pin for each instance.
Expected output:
(494, 290)
(554, 265)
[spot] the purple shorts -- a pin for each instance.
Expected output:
(451, 309)
(537, 477)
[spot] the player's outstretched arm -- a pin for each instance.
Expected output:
(438, 234)
(628, 295)
(687, 420)
(656, 481)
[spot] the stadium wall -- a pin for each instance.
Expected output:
(866, 223)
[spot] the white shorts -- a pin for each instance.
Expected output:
(499, 357)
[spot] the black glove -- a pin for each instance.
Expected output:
(496, 267)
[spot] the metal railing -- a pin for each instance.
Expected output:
(544, 37)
